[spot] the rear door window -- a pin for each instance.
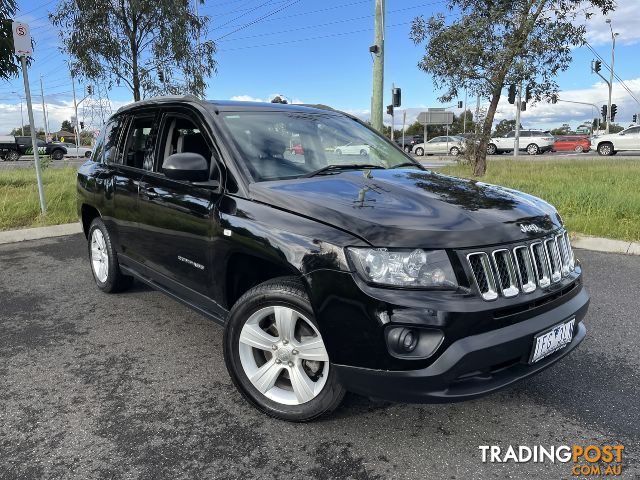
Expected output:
(139, 145)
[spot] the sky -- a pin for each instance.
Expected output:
(318, 52)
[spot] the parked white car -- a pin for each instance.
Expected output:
(71, 150)
(613, 143)
(440, 146)
(531, 141)
(352, 149)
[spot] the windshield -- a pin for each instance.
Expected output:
(279, 145)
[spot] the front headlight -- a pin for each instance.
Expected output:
(404, 268)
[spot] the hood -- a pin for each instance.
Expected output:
(413, 208)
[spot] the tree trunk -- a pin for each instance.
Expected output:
(480, 160)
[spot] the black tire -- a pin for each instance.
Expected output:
(13, 156)
(605, 149)
(455, 151)
(338, 152)
(288, 292)
(492, 149)
(116, 281)
(533, 149)
(407, 149)
(419, 151)
(57, 155)
(363, 152)
(87, 154)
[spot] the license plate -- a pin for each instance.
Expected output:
(552, 340)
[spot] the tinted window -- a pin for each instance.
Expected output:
(511, 134)
(438, 140)
(632, 131)
(138, 152)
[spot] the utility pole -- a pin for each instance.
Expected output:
(516, 143)
(21, 115)
(404, 121)
(75, 110)
(44, 113)
(613, 49)
(378, 68)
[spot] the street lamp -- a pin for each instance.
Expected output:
(21, 116)
(613, 49)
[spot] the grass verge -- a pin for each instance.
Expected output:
(19, 202)
(600, 198)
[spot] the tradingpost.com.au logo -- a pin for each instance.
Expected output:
(587, 460)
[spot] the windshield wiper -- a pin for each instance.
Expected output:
(352, 166)
(408, 164)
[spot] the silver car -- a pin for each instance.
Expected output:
(452, 145)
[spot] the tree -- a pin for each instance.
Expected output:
(565, 129)
(17, 132)
(152, 47)
(493, 43)
(279, 99)
(66, 125)
(503, 127)
(9, 65)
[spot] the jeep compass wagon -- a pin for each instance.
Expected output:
(329, 272)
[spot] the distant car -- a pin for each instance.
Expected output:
(352, 149)
(410, 141)
(12, 148)
(574, 143)
(531, 141)
(443, 145)
(71, 150)
(613, 143)
(297, 150)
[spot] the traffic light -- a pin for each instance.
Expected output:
(389, 109)
(396, 97)
(512, 94)
(614, 110)
(460, 104)
(81, 125)
(89, 89)
(523, 106)
(604, 112)
(635, 118)
(527, 94)
(554, 98)
(161, 76)
(597, 66)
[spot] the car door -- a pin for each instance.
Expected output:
(433, 145)
(629, 141)
(178, 223)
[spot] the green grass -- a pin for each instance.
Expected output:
(19, 203)
(599, 197)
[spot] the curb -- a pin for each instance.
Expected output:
(606, 245)
(585, 242)
(11, 236)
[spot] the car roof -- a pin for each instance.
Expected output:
(228, 105)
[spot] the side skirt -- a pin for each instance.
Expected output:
(194, 300)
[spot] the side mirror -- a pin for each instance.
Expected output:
(621, 133)
(191, 167)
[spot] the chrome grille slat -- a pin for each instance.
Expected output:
(507, 272)
(526, 273)
(483, 275)
(553, 257)
(507, 277)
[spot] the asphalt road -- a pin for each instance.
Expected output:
(134, 386)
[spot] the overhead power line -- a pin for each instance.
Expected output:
(616, 76)
(253, 22)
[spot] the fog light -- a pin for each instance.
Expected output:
(407, 340)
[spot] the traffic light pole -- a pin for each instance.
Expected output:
(613, 49)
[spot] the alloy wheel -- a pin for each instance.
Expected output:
(532, 149)
(578, 149)
(283, 355)
(99, 256)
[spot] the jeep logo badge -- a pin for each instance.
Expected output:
(530, 228)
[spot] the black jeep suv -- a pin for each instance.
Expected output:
(329, 272)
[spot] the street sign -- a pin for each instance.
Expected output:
(435, 116)
(22, 39)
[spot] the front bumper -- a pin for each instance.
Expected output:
(471, 366)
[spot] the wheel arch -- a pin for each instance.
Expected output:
(87, 214)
